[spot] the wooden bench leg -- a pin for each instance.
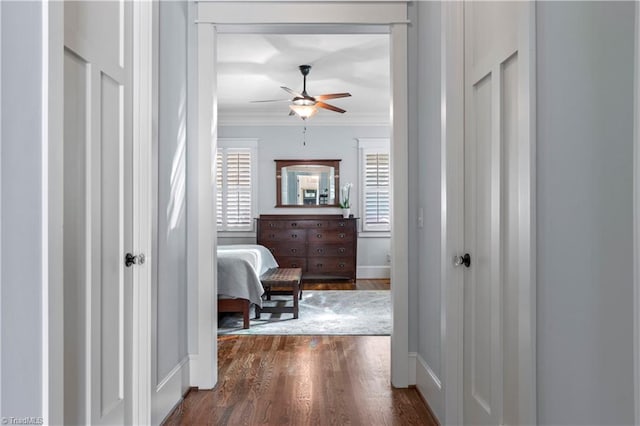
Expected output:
(245, 315)
(295, 292)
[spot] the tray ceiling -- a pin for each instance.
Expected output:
(253, 67)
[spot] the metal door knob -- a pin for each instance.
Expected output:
(130, 259)
(465, 260)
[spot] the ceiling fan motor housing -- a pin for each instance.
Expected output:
(304, 69)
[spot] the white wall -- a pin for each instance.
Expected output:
(170, 283)
(429, 183)
(584, 213)
(427, 161)
(322, 142)
(21, 210)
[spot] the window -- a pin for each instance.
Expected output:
(235, 183)
(375, 184)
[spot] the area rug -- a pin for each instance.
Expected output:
(321, 312)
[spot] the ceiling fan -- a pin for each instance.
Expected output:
(306, 105)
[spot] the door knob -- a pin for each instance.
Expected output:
(130, 259)
(462, 260)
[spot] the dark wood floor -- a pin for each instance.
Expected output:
(360, 284)
(303, 380)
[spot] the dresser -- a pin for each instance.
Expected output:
(323, 246)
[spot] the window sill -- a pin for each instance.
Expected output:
(236, 234)
(374, 234)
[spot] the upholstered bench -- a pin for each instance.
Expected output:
(287, 278)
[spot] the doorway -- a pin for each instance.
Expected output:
(254, 119)
(212, 17)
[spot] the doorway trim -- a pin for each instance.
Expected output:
(210, 14)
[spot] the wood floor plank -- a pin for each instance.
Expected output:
(303, 380)
(360, 284)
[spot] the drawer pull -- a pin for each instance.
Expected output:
(342, 265)
(319, 224)
(342, 235)
(341, 224)
(342, 250)
(294, 250)
(319, 235)
(320, 250)
(272, 225)
(294, 235)
(319, 265)
(294, 224)
(272, 235)
(294, 265)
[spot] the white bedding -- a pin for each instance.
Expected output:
(239, 271)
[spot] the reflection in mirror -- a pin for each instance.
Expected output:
(307, 183)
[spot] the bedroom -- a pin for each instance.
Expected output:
(252, 67)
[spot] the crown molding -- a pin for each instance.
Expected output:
(349, 119)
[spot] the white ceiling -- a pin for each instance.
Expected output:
(253, 67)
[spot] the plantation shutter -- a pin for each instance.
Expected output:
(377, 208)
(238, 206)
(220, 187)
(234, 198)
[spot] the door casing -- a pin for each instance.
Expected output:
(201, 234)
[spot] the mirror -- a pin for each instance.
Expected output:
(307, 183)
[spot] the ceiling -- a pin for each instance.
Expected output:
(252, 67)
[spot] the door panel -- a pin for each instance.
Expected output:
(98, 210)
(491, 99)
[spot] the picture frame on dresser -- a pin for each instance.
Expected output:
(323, 246)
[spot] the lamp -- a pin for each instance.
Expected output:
(304, 111)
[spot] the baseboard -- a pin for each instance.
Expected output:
(430, 387)
(413, 356)
(169, 391)
(373, 272)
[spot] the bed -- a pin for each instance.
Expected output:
(239, 271)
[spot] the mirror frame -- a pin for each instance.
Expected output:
(286, 163)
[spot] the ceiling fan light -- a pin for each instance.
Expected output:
(304, 101)
(304, 111)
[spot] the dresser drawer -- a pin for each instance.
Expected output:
(291, 235)
(314, 224)
(330, 250)
(293, 262)
(272, 225)
(330, 265)
(287, 249)
(333, 235)
(341, 224)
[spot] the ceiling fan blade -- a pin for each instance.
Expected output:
(292, 92)
(332, 96)
(330, 107)
(271, 100)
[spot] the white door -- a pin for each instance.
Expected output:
(491, 119)
(97, 212)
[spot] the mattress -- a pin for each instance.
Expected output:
(239, 271)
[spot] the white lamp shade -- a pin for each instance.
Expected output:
(304, 111)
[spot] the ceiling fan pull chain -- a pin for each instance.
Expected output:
(304, 136)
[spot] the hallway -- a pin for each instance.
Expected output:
(303, 380)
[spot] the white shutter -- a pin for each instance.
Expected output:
(220, 188)
(376, 191)
(234, 200)
(238, 177)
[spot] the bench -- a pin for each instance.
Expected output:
(288, 278)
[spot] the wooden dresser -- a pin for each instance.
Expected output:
(324, 246)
